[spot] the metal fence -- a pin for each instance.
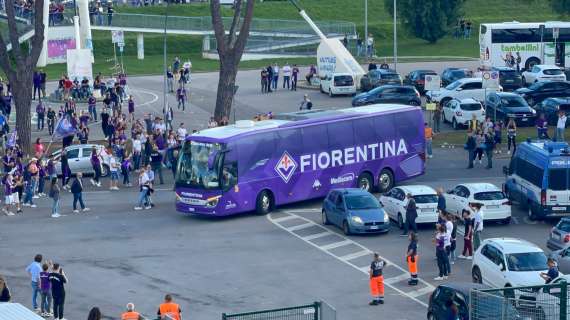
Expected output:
(315, 311)
(547, 302)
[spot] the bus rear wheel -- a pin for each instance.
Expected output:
(385, 180)
(264, 203)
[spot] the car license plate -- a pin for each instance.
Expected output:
(509, 80)
(524, 119)
(426, 210)
(493, 207)
(559, 208)
(374, 227)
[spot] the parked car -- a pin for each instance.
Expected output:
(546, 89)
(505, 105)
(450, 75)
(461, 89)
(459, 111)
(337, 84)
(509, 78)
(355, 211)
(388, 94)
(394, 203)
(544, 303)
(79, 159)
(417, 79)
(562, 256)
(543, 72)
(496, 206)
(560, 236)
(460, 294)
(551, 106)
(508, 262)
(377, 77)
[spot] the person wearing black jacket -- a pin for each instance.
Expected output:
(65, 170)
(489, 146)
(411, 216)
(77, 191)
(58, 280)
(470, 146)
(156, 163)
(5, 295)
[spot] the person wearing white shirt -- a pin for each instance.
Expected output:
(477, 224)
(137, 151)
(181, 132)
(286, 75)
(275, 79)
(560, 126)
(144, 185)
(370, 45)
(34, 270)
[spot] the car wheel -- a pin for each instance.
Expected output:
(507, 220)
(263, 203)
(454, 124)
(532, 216)
(346, 228)
(325, 219)
(321, 88)
(476, 275)
(330, 93)
(365, 182)
(400, 221)
(104, 170)
(430, 316)
(385, 180)
(524, 81)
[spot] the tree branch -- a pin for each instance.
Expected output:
(5, 63)
(218, 26)
(37, 40)
(13, 33)
(235, 23)
(244, 31)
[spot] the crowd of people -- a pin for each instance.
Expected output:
(271, 74)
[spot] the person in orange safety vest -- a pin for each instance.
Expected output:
(412, 259)
(131, 314)
(377, 280)
(169, 310)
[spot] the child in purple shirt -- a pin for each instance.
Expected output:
(45, 292)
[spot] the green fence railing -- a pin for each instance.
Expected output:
(305, 312)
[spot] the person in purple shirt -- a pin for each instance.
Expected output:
(92, 103)
(45, 291)
(542, 127)
(96, 164)
(8, 161)
(40, 112)
(131, 109)
(84, 118)
(37, 79)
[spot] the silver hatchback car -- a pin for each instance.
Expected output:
(79, 159)
(560, 235)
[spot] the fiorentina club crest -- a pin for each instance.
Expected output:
(286, 167)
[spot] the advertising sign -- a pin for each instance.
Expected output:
(60, 39)
(79, 64)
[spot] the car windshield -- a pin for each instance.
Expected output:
(391, 76)
(193, 168)
(563, 225)
(453, 85)
(470, 106)
(458, 74)
(343, 81)
(359, 202)
(513, 102)
(552, 72)
(528, 261)
(489, 195)
(426, 198)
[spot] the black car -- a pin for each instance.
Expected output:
(551, 106)
(377, 77)
(505, 105)
(451, 75)
(388, 94)
(539, 91)
(417, 79)
(509, 78)
(458, 294)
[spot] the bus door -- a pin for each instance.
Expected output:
(560, 54)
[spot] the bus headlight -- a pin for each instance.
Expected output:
(357, 220)
(213, 201)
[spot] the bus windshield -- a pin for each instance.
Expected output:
(193, 168)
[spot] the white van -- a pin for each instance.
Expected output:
(338, 83)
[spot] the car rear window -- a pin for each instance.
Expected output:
(507, 74)
(470, 106)
(558, 179)
(343, 81)
(426, 198)
(489, 195)
(391, 76)
(552, 72)
(563, 225)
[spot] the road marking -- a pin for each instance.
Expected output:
(285, 218)
(304, 210)
(317, 235)
(154, 99)
(326, 249)
(300, 227)
(420, 292)
(355, 255)
(335, 245)
(399, 278)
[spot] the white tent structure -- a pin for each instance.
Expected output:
(16, 311)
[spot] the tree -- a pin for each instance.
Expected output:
(18, 65)
(429, 20)
(230, 50)
(561, 6)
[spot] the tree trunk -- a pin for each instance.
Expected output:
(22, 94)
(225, 95)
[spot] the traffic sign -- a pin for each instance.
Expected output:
(118, 36)
(490, 79)
(432, 82)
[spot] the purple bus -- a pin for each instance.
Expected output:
(256, 166)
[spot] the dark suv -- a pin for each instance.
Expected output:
(451, 75)
(551, 106)
(509, 78)
(541, 90)
(417, 78)
(505, 105)
(377, 77)
(388, 94)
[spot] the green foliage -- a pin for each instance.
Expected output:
(561, 6)
(428, 20)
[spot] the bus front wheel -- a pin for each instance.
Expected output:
(264, 203)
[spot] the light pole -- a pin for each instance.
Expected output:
(165, 101)
(366, 28)
(395, 39)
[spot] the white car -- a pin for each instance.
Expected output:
(508, 262)
(496, 206)
(461, 89)
(459, 112)
(395, 202)
(79, 159)
(338, 83)
(543, 72)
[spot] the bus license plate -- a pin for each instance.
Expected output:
(559, 208)
(191, 209)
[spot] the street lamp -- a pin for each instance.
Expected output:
(366, 28)
(165, 89)
(395, 39)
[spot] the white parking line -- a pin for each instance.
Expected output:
(285, 218)
(395, 279)
(316, 235)
(355, 255)
(300, 227)
(326, 249)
